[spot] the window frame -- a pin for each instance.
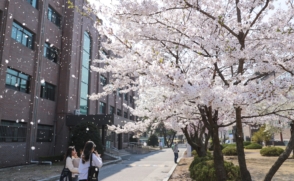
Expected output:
(111, 109)
(118, 112)
(102, 107)
(13, 128)
(19, 76)
(103, 80)
(34, 3)
(53, 16)
(50, 133)
(48, 51)
(45, 94)
(17, 32)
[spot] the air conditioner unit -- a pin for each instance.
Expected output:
(77, 112)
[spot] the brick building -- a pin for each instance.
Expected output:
(46, 50)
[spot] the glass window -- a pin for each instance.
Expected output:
(85, 74)
(11, 131)
(83, 106)
(111, 110)
(17, 80)
(118, 112)
(48, 91)
(54, 17)
(50, 52)
(22, 35)
(103, 80)
(44, 133)
(102, 108)
(126, 96)
(33, 3)
(125, 114)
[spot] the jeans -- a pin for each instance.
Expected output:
(176, 157)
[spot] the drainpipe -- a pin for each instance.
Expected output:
(37, 81)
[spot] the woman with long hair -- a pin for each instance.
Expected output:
(84, 165)
(70, 155)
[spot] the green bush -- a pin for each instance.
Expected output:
(228, 145)
(54, 158)
(230, 151)
(84, 132)
(153, 140)
(271, 151)
(212, 147)
(246, 143)
(198, 160)
(253, 146)
(205, 171)
(194, 153)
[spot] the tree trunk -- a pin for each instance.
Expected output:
(245, 175)
(281, 158)
(196, 144)
(218, 156)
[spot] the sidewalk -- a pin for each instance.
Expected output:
(36, 172)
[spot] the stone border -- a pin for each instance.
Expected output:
(56, 177)
(169, 174)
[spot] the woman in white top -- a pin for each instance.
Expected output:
(85, 160)
(70, 155)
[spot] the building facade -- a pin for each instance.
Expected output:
(46, 50)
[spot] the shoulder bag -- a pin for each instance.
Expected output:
(93, 171)
(65, 174)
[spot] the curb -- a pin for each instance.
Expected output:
(169, 174)
(56, 177)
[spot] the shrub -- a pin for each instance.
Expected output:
(212, 147)
(253, 146)
(153, 140)
(196, 161)
(204, 171)
(194, 153)
(84, 132)
(271, 151)
(246, 143)
(230, 151)
(228, 145)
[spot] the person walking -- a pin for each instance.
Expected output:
(176, 151)
(84, 164)
(71, 154)
(160, 145)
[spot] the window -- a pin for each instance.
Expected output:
(17, 80)
(11, 131)
(54, 17)
(22, 35)
(102, 108)
(111, 110)
(103, 80)
(50, 52)
(44, 133)
(132, 117)
(85, 74)
(131, 99)
(33, 3)
(126, 96)
(125, 115)
(48, 91)
(118, 112)
(126, 137)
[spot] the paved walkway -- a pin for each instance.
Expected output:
(153, 166)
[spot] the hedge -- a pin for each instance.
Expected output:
(271, 151)
(253, 146)
(230, 151)
(205, 171)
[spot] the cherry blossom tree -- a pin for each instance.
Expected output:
(214, 61)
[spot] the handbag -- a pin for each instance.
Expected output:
(93, 171)
(65, 174)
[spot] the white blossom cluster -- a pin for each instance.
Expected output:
(179, 54)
